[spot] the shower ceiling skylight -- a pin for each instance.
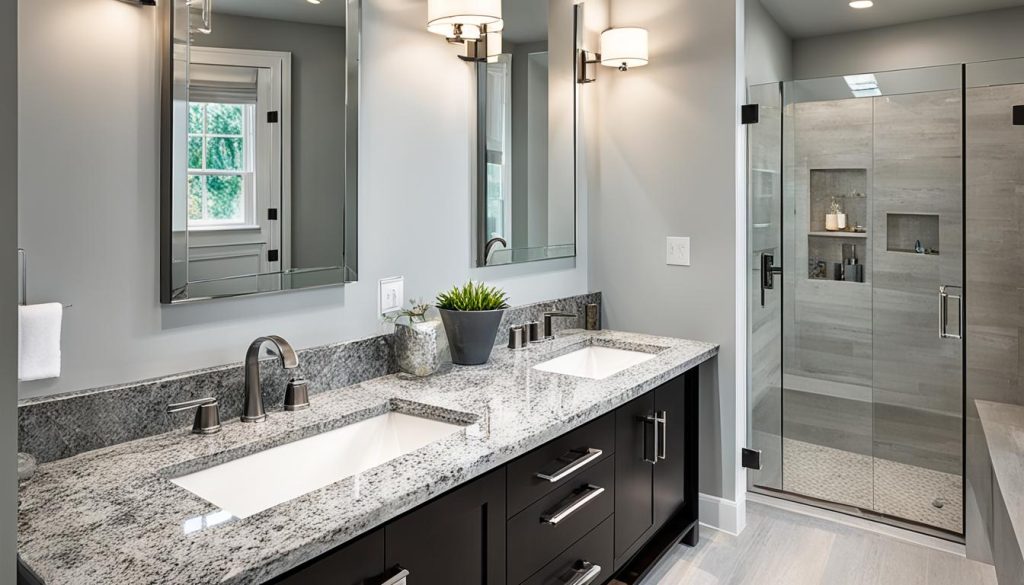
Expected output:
(863, 85)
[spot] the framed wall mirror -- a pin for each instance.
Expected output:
(527, 124)
(259, 139)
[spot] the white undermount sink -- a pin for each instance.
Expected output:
(594, 362)
(263, 480)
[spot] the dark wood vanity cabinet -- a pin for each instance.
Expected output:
(653, 451)
(606, 499)
(360, 562)
(458, 538)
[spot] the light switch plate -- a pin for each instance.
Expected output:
(390, 295)
(677, 251)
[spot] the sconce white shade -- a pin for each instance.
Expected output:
(624, 47)
(444, 15)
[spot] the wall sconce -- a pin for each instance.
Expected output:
(622, 48)
(473, 23)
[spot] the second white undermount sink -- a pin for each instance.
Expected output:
(263, 480)
(594, 362)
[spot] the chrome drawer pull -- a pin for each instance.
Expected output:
(587, 457)
(591, 493)
(584, 573)
(398, 579)
(662, 447)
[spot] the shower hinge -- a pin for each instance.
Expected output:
(751, 459)
(750, 114)
(1018, 115)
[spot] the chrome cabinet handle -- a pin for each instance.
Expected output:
(591, 493)
(399, 577)
(586, 457)
(944, 296)
(657, 422)
(662, 419)
(584, 573)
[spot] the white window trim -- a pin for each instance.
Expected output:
(279, 65)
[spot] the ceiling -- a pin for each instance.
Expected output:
(809, 18)
(329, 12)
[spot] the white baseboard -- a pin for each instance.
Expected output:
(721, 514)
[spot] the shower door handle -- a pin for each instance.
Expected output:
(945, 294)
(768, 272)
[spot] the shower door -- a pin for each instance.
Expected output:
(866, 412)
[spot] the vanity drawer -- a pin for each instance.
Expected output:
(549, 526)
(589, 560)
(560, 460)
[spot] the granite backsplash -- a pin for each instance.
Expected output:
(64, 425)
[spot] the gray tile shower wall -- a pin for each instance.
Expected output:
(55, 427)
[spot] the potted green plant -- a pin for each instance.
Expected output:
(471, 315)
(420, 346)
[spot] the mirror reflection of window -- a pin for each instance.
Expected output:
(260, 166)
(221, 145)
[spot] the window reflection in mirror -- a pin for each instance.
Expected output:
(260, 174)
(529, 190)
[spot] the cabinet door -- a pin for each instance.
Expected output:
(458, 538)
(670, 472)
(634, 473)
(361, 561)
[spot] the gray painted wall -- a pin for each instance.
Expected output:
(667, 168)
(89, 200)
(8, 288)
(318, 125)
(769, 50)
(961, 39)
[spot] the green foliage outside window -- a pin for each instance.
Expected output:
(216, 143)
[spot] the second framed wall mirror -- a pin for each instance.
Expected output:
(526, 134)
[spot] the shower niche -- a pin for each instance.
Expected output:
(912, 233)
(837, 232)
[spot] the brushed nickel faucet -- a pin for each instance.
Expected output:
(254, 411)
(549, 332)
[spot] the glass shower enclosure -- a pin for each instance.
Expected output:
(856, 268)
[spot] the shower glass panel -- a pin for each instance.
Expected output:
(995, 265)
(869, 415)
(764, 235)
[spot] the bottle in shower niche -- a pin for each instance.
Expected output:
(853, 270)
(835, 219)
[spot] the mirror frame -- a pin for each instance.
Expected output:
(349, 267)
(480, 180)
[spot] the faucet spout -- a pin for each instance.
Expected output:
(254, 411)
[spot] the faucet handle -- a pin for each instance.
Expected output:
(207, 420)
(296, 397)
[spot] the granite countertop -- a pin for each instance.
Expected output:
(113, 516)
(1003, 425)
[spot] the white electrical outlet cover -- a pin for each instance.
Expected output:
(390, 295)
(677, 251)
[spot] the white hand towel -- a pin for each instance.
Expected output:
(39, 341)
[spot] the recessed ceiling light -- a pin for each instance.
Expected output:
(313, 1)
(861, 4)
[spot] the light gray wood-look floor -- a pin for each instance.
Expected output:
(781, 547)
